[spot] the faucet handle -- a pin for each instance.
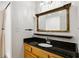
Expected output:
(47, 40)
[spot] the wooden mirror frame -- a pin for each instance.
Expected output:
(65, 7)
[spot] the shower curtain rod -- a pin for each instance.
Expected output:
(7, 6)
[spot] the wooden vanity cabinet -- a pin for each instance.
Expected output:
(34, 52)
(40, 53)
(28, 54)
(27, 47)
(28, 51)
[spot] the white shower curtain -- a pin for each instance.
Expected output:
(1, 33)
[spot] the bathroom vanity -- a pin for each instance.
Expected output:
(57, 50)
(34, 52)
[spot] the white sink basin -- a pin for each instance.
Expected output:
(44, 45)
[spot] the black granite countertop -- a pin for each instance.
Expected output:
(65, 51)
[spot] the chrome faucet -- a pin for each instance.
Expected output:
(47, 40)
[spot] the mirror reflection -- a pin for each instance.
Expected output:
(53, 21)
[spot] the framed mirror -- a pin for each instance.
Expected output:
(56, 20)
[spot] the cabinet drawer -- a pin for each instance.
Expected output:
(29, 55)
(27, 47)
(52, 55)
(39, 53)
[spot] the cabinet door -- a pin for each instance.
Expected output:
(28, 54)
(38, 52)
(52, 55)
(27, 47)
